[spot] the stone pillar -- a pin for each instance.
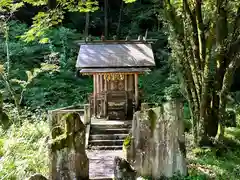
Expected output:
(157, 147)
(68, 159)
(87, 114)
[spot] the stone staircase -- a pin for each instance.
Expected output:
(108, 135)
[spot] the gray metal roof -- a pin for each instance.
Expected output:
(113, 70)
(115, 55)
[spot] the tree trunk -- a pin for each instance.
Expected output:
(106, 18)
(87, 24)
(207, 57)
(119, 19)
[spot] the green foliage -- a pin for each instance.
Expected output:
(9, 82)
(230, 118)
(45, 90)
(45, 20)
(159, 87)
(127, 141)
(23, 150)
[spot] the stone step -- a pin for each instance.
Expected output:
(109, 130)
(107, 136)
(111, 126)
(101, 178)
(105, 147)
(106, 143)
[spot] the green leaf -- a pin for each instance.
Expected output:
(129, 1)
(29, 75)
(44, 41)
(1, 68)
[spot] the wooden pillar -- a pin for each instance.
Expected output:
(136, 89)
(126, 82)
(105, 84)
(105, 98)
(130, 82)
(97, 83)
(102, 83)
(95, 94)
(101, 91)
(112, 85)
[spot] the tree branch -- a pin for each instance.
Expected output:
(233, 48)
(195, 33)
(201, 33)
(236, 25)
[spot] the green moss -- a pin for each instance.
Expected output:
(64, 137)
(153, 115)
(59, 142)
(127, 141)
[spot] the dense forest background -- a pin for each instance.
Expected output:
(64, 88)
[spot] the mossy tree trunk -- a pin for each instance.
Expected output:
(204, 37)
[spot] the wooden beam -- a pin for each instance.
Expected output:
(147, 41)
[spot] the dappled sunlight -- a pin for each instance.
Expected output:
(214, 164)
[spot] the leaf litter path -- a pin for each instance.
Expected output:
(101, 162)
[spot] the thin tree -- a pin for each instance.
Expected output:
(106, 18)
(205, 40)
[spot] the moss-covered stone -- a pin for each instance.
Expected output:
(157, 142)
(153, 119)
(67, 150)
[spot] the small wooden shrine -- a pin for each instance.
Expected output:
(115, 67)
